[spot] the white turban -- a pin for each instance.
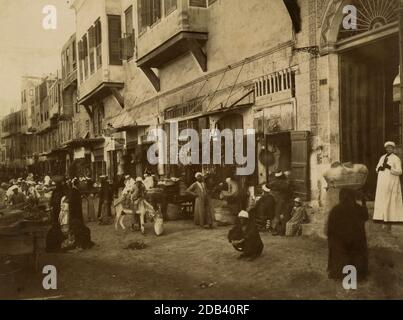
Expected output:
(198, 174)
(390, 143)
(243, 214)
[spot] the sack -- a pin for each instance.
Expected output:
(159, 226)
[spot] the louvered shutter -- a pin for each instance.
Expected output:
(115, 33)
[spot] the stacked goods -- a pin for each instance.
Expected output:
(346, 175)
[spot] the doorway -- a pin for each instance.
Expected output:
(368, 115)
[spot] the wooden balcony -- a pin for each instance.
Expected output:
(181, 31)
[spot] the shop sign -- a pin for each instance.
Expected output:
(184, 109)
(275, 119)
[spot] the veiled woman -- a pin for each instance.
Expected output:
(346, 237)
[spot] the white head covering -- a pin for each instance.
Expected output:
(279, 174)
(265, 188)
(228, 180)
(298, 200)
(139, 179)
(390, 143)
(243, 214)
(198, 174)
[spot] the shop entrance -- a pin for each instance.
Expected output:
(368, 115)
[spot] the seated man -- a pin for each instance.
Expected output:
(245, 237)
(298, 217)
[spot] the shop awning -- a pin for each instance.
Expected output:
(243, 98)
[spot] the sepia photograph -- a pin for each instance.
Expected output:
(201, 150)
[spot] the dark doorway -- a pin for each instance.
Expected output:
(369, 116)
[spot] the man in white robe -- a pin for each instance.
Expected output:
(388, 201)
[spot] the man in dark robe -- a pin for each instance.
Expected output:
(346, 236)
(105, 202)
(282, 193)
(245, 237)
(264, 210)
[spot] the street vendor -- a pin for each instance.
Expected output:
(17, 197)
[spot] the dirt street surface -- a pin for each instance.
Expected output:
(192, 263)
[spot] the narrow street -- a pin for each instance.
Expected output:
(191, 263)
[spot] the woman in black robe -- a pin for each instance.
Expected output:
(81, 233)
(346, 237)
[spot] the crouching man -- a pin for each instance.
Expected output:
(245, 237)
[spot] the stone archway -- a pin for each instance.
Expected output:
(333, 17)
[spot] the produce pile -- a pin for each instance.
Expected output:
(347, 175)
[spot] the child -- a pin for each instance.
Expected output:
(298, 217)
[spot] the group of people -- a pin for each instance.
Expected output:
(22, 191)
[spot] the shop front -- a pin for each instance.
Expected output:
(280, 146)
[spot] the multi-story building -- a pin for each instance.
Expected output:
(74, 125)
(288, 69)
(14, 143)
(100, 73)
(29, 98)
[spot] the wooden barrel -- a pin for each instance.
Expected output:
(173, 212)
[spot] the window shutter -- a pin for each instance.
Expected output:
(98, 33)
(198, 3)
(300, 163)
(115, 32)
(156, 10)
(92, 38)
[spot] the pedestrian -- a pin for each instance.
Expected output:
(105, 202)
(245, 237)
(55, 237)
(141, 207)
(388, 200)
(298, 217)
(80, 234)
(347, 240)
(202, 209)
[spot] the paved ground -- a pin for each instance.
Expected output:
(192, 263)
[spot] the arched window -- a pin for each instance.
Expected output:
(371, 15)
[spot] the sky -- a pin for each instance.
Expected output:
(28, 49)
